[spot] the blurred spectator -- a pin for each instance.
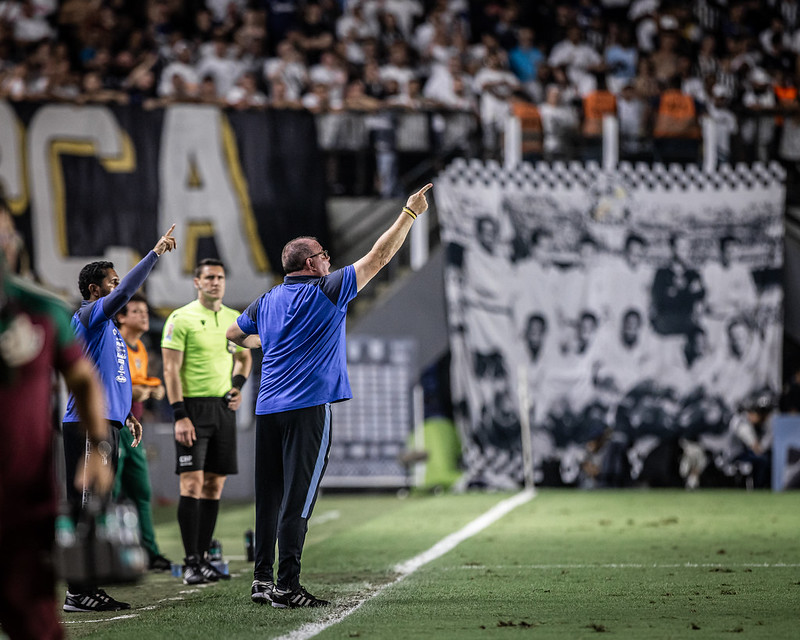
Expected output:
(279, 97)
(207, 92)
(288, 67)
(578, 59)
(245, 95)
(725, 124)
(757, 130)
(320, 100)
(494, 85)
(398, 66)
(312, 36)
(633, 114)
(354, 22)
(665, 57)
(373, 86)
(645, 83)
(751, 429)
(676, 130)
(559, 125)
(440, 87)
(220, 64)
(179, 77)
(331, 72)
(620, 57)
(30, 25)
(92, 90)
(524, 61)
(596, 105)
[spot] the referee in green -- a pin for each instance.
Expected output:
(203, 374)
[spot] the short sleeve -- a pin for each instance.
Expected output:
(248, 320)
(340, 286)
(174, 336)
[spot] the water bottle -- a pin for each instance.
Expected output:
(215, 551)
(249, 545)
(65, 531)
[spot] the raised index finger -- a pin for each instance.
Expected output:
(169, 233)
(422, 191)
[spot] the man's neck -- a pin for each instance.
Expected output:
(211, 305)
(129, 336)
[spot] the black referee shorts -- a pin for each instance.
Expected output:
(214, 450)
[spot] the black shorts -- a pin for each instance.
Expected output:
(214, 450)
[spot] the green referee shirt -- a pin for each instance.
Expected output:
(207, 353)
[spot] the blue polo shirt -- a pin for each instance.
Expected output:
(103, 344)
(301, 324)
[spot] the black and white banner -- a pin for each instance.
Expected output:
(631, 308)
(103, 182)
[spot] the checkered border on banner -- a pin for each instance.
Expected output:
(638, 175)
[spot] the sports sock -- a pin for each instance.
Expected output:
(188, 521)
(209, 509)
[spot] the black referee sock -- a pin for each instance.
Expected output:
(189, 521)
(209, 509)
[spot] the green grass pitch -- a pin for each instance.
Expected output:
(567, 564)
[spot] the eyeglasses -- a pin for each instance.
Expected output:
(324, 253)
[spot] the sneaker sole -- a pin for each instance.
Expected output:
(261, 598)
(73, 609)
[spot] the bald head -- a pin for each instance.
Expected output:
(295, 252)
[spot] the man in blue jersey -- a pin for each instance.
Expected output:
(300, 325)
(104, 295)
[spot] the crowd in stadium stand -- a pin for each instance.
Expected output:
(657, 64)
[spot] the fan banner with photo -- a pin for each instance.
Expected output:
(631, 312)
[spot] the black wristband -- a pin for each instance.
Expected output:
(238, 381)
(179, 411)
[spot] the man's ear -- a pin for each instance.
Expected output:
(94, 290)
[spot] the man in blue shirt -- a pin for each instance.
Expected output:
(104, 295)
(300, 325)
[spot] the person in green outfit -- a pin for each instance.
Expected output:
(133, 473)
(203, 374)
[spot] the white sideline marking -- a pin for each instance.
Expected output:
(405, 569)
(130, 615)
(628, 565)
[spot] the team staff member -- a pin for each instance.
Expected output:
(203, 374)
(300, 325)
(133, 472)
(104, 294)
(35, 340)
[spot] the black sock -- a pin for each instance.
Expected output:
(188, 521)
(208, 521)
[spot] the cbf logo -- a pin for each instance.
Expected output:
(185, 461)
(122, 358)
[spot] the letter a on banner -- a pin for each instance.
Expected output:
(204, 192)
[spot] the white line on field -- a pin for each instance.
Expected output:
(405, 569)
(130, 615)
(629, 565)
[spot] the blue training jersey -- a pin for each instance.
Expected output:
(301, 324)
(103, 344)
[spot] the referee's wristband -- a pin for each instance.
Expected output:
(179, 411)
(238, 381)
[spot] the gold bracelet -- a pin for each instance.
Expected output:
(410, 212)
